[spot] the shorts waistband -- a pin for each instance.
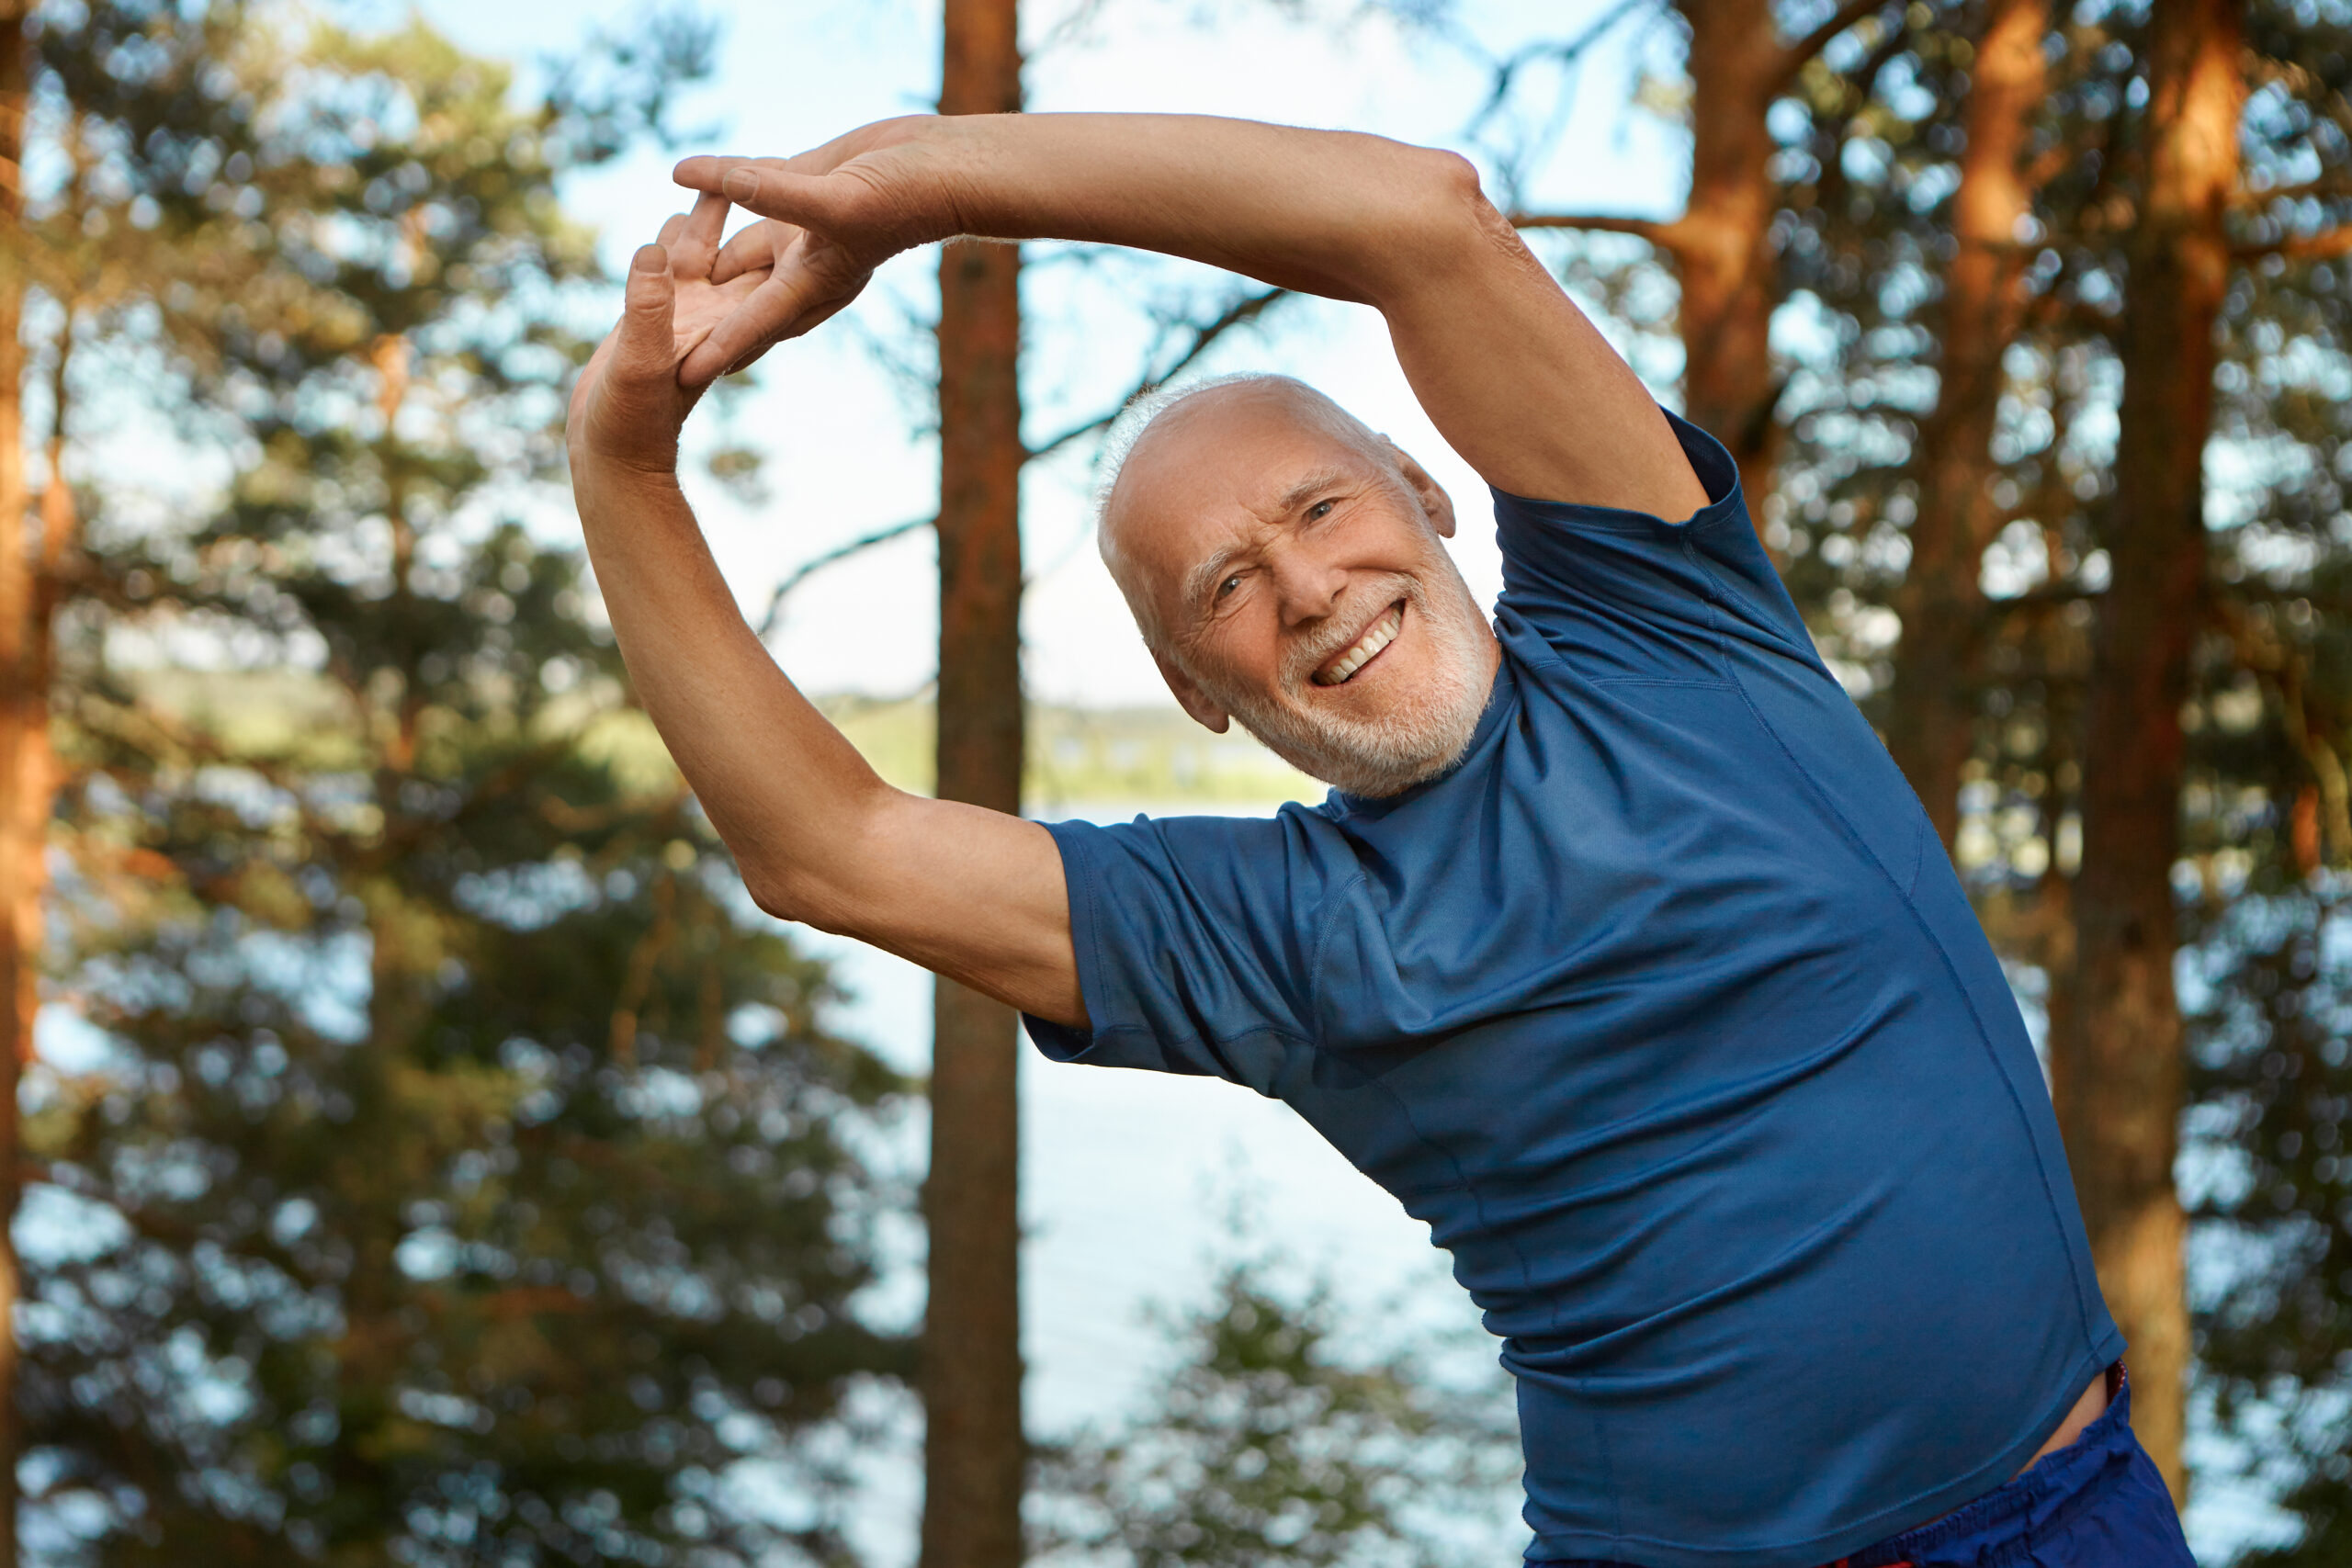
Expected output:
(2054, 1487)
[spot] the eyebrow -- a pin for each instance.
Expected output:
(1198, 580)
(1299, 493)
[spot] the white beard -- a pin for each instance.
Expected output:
(1419, 737)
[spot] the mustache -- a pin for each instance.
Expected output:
(1345, 624)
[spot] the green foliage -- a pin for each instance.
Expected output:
(1265, 1444)
(455, 1169)
(2271, 1143)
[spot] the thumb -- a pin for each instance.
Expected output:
(646, 348)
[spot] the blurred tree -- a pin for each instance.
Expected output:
(20, 687)
(1722, 247)
(2272, 1135)
(2117, 1049)
(105, 78)
(457, 1176)
(1264, 1445)
(1931, 722)
(974, 1454)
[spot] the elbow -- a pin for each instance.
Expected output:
(1447, 219)
(1447, 195)
(819, 873)
(1450, 180)
(786, 892)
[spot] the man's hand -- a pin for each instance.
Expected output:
(630, 401)
(830, 218)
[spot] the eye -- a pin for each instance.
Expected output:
(1320, 510)
(1228, 585)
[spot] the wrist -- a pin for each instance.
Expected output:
(956, 164)
(597, 474)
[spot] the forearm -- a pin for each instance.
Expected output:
(1337, 213)
(1403, 229)
(787, 792)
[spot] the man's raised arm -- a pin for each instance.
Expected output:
(1509, 370)
(971, 894)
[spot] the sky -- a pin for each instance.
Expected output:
(838, 428)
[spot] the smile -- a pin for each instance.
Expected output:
(1360, 652)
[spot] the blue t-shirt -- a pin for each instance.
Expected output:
(1667, 1013)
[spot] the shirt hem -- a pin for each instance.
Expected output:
(1591, 1547)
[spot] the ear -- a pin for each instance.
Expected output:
(1431, 494)
(1199, 703)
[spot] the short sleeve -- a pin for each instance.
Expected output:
(1626, 595)
(1194, 937)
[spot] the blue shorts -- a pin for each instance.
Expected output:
(2097, 1503)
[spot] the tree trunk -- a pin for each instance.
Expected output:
(1930, 725)
(1721, 247)
(24, 725)
(1722, 243)
(975, 1453)
(2119, 1061)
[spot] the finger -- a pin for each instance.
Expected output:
(644, 348)
(697, 243)
(748, 360)
(755, 249)
(764, 186)
(693, 172)
(671, 227)
(812, 320)
(705, 170)
(765, 316)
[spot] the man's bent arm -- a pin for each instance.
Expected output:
(972, 893)
(1511, 371)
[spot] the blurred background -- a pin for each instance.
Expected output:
(426, 1154)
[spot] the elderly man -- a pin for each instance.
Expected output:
(1620, 953)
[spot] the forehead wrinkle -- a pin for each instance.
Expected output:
(1202, 577)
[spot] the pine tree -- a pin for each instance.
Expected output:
(462, 1172)
(1264, 1443)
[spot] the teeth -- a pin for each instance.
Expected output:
(1383, 632)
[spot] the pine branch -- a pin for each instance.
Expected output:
(834, 557)
(1242, 311)
(2331, 184)
(1793, 58)
(1660, 232)
(2321, 246)
(1506, 72)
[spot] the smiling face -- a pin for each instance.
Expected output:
(1286, 565)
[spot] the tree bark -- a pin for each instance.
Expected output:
(1722, 243)
(23, 724)
(1930, 725)
(2119, 1062)
(1721, 246)
(975, 1452)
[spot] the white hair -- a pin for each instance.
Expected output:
(1141, 412)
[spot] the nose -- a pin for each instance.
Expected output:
(1307, 586)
